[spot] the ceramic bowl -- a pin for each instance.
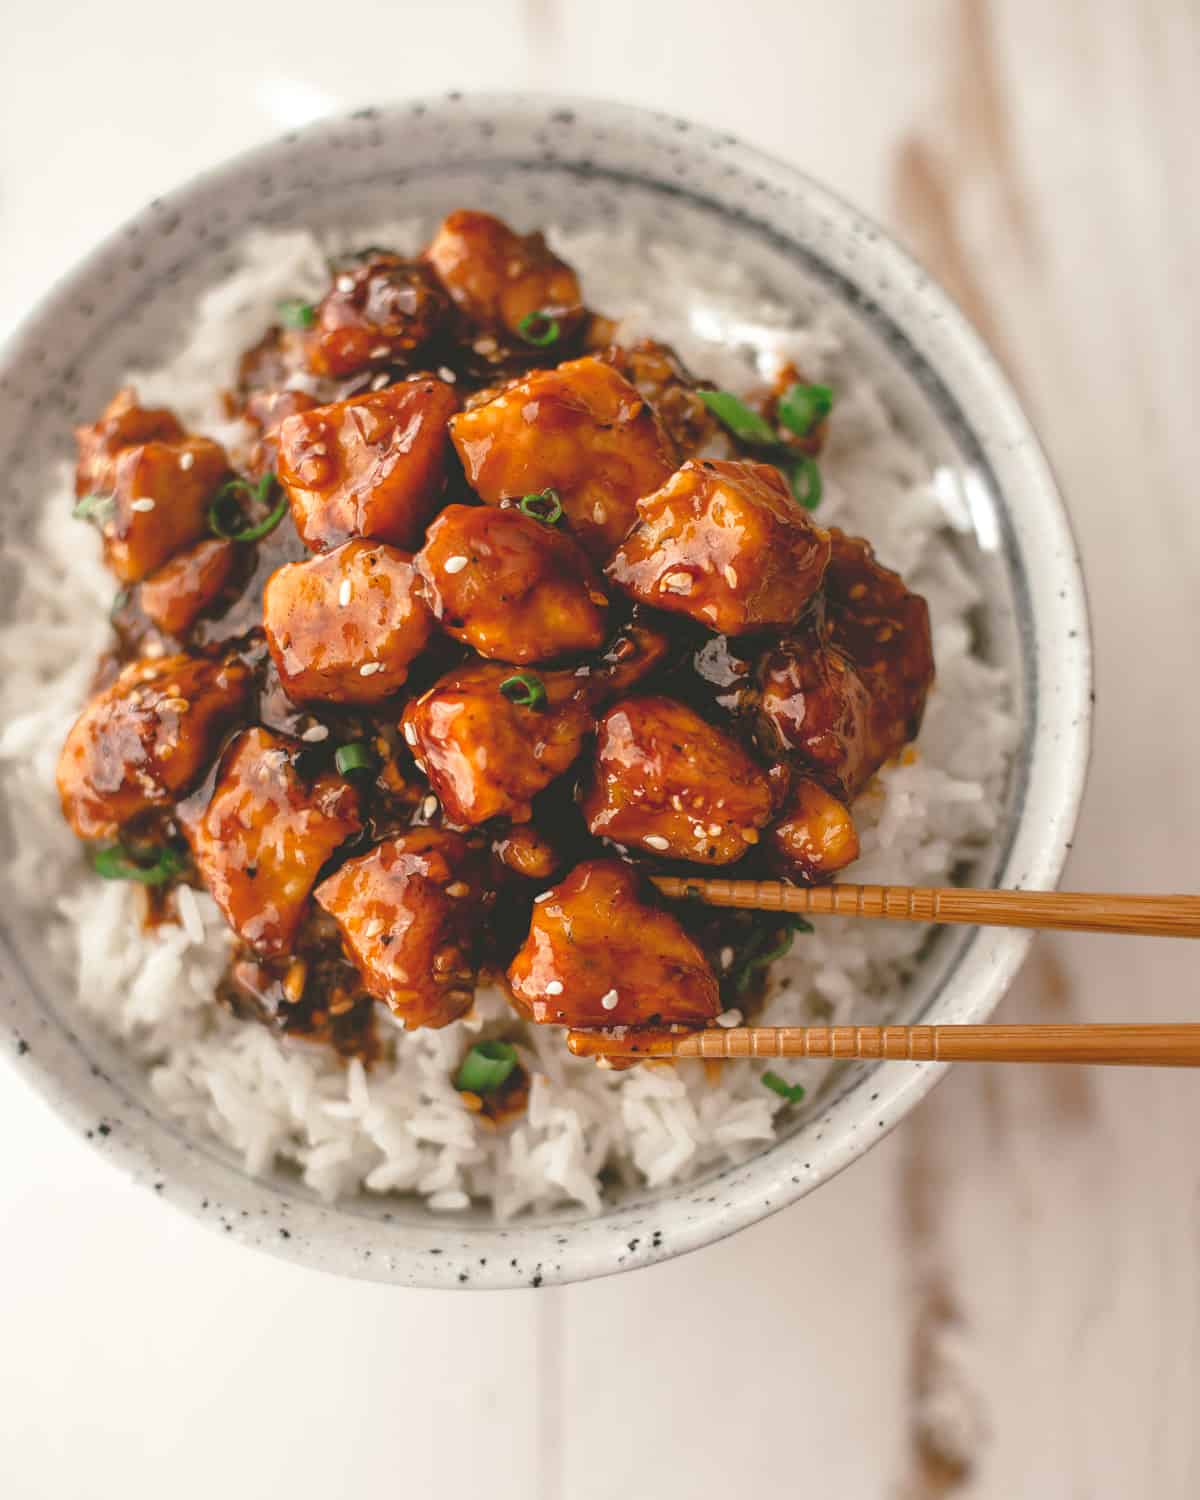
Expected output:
(533, 160)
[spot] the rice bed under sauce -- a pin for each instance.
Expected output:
(403, 1127)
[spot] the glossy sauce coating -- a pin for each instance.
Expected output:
(665, 781)
(261, 837)
(370, 466)
(514, 588)
(726, 543)
(145, 739)
(124, 423)
(344, 627)
(815, 835)
(160, 497)
(599, 953)
(179, 592)
(379, 310)
(408, 911)
(486, 756)
(581, 430)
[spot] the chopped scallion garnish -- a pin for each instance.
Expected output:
(295, 313)
(801, 407)
(96, 508)
(524, 689)
(805, 479)
(545, 506)
(539, 329)
(486, 1067)
(753, 960)
(229, 499)
(355, 757)
(743, 421)
(792, 1092)
(119, 864)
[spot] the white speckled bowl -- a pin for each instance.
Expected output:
(535, 159)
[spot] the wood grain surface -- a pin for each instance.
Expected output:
(1002, 1299)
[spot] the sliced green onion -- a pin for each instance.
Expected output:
(486, 1067)
(96, 508)
(742, 420)
(805, 479)
(119, 864)
(295, 313)
(545, 506)
(356, 757)
(539, 329)
(801, 407)
(120, 600)
(230, 496)
(752, 960)
(792, 1092)
(524, 689)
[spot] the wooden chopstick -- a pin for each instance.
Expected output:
(1147, 1046)
(1066, 911)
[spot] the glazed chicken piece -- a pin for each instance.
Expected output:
(581, 430)
(379, 311)
(123, 424)
(667, 781)
(516, 589)
(632, 654)
(663, 379)
(175, 596)
(526, 851)
(846, 693)
(815, 835)
(408, 911)
(600, 954)
(371, 466)
(146, 739)
(498, 279)
(260, 839)
(725, 543)
(344, 627)
(486, 756)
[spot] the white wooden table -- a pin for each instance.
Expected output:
(1002, 1299)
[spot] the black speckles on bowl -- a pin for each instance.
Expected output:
(582, 163)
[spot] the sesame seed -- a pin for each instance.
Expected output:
(730, 575)
(714, 830)
(176, 705)
(345, 283)
(599, 514)
(678, 583)
(429, 806)
(379, 382)
(698, 830)
(610, 1001)
(554, 987)
(143, 504)
(447, 374)
(455, 564)
(677, 802)
(369, 668)
(604, 1062)
(545, 896)
(345, 592)
(656, 841)
(458, 889)
(486, 345)
(410, 734)
(186, 460)
(727, 958)
(729, 1018)
(380, 351)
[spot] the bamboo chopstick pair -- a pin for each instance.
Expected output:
(1144, 1045)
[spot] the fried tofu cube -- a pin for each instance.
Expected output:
(666, 781)
(380, 310)
(498, 279)
(724, 542)
(599, 953)
(145, 739)
(344, 627)
(123, 424)
(408, 911)
(370, 466)
(261, 838)
(486, 756)
(581, 430)
(815, 836)
(512, 587)
(175, 596)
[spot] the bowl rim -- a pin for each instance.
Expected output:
(300, 1228)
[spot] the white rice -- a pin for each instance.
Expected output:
(402, 1127)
